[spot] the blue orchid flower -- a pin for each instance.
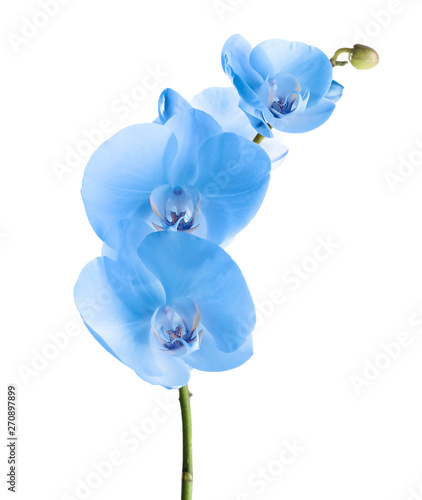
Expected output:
(222, 103)
(187, 175)
(285, 85)
(178, 302)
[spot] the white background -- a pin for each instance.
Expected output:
(78, 407)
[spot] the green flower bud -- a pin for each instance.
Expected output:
(363, 57)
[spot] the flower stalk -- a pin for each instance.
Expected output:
(187, 468)
(258, 139)
(338, 52)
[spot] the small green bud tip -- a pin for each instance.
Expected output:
(360, 57)
(363, 57)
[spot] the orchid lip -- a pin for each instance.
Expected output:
(284, 94)
(283, 106)
(176, 327)
(176, 207)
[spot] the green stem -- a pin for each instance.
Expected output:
(187, 469)
(334, 61)
(258, 139)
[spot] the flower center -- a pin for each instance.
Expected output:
(176, 207)
(284, 105)
(284, 94)
(176, 327)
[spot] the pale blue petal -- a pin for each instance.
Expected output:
(275, 148)
(192, 128)
(235, 61)
(335, 92)
(170, 102)
(222, 103)
(121, 244)
(210, 359)
(197, 269)
(123, 330)
(122, 173)
(123, 239)
(249, 96)
(308, 120)
(309, 65)
(101, 341)
(233, 177)
(257, 119)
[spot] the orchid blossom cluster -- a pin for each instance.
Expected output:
(166, 198)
